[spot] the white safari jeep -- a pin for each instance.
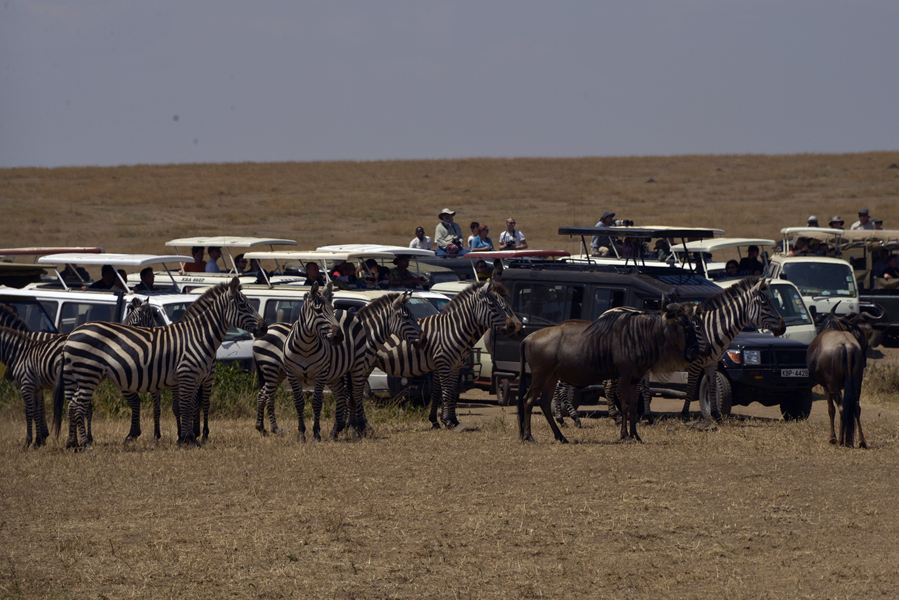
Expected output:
(824, 282)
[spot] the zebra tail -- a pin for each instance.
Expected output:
(851, 389)
(59, 397)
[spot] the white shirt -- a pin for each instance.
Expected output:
(505, 237)
(858, 225)
(424, 243)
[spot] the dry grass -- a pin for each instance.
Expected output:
(757, 508)
(138, 208)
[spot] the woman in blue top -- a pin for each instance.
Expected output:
(482, 243)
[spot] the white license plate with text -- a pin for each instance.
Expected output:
(794, 372)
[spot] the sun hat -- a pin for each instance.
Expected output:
(446, 211)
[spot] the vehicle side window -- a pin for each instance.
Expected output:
(350, 306)
(604, 299)
(31, 314)
(551, 303)
(282, 311)
(78, 313)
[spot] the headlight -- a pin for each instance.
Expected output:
(752, 357)
(735, 356)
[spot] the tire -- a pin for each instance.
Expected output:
(712, 408)
(797, 408)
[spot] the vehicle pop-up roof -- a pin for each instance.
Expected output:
(19, 274)
(674, 235)
(134, 261)
(326, 259)
(226, 243)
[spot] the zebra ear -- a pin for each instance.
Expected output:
(234, 284)
(328, 294)
(314, 290)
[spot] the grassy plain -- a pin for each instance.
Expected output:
(755, 508)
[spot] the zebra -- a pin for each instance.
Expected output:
(448, 338)
(142, 359)
(32, 363)
(378, 323)
(563, 401)
(722, 317)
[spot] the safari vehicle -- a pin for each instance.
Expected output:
(868, 251)
(187, 281)
(824, 282)
(707, 254)
(549, 293)
(61, 308)
(20, 274)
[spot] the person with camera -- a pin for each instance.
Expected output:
(511, 238)
(448, 235)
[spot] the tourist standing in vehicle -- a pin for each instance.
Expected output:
(474, 227)
(813, 221)
(420, 240)
(603, 241)
(837, 222)
(512, 238)
(400, 276)
(313, 274)
(864, 220)
(448, 234)
(374, 275)
(147, 281)
(212, 265)
(107, 279)
(199, 265)
(482, 242)
(889, 268)
(750, 264)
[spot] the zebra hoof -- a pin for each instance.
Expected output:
(435, 425)
(129, 439)
(529, 439)
(27, 445)
(301, 437)
(562, 440)
(317, 436)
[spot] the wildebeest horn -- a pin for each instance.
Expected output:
(833, 311)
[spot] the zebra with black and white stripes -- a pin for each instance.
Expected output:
(147, 359)
(448, 339)
(380, 322)
(32, 363)
(722, 317)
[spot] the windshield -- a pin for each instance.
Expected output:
(175, 310)
(821, 279)
(789, 304)
(422, 307)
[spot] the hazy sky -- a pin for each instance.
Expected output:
(118, 82)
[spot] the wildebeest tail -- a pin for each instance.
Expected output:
(522, 388)
(851, 391)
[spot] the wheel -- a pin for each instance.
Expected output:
(504, 392)
(710, 406)
(798, 407)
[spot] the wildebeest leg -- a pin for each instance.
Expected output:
(134, 403)
(539, 390)
(831, 410)
(545, 400)
(858, 419)
(436, 394)
(627, 392)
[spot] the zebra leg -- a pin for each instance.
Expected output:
(569, 407)
(317, 403)
(79, 409)
(133, 402)
(261, 401)
(89, 411)
(357, 389)
(558, 393)
(436, 395)
(299, 402)
(449, 383)
(157, 413)
(340, 391)
(270, 406)
(693, 373)
(28, 403)
(206, 391)
(186, 396)
(41, 416)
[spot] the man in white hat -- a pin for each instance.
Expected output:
(448, 234)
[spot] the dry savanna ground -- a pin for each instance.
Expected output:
(755, 508)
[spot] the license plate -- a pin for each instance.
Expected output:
(794, 372)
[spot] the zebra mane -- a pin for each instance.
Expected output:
(462, 297)
(725, 296)
(206, 300)
(9, 318)
(380, 302)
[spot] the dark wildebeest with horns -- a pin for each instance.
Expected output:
(623, 344)
(836, 360)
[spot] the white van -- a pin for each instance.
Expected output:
(823, 282)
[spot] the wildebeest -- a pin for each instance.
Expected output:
(622, 343)
(836, 360)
